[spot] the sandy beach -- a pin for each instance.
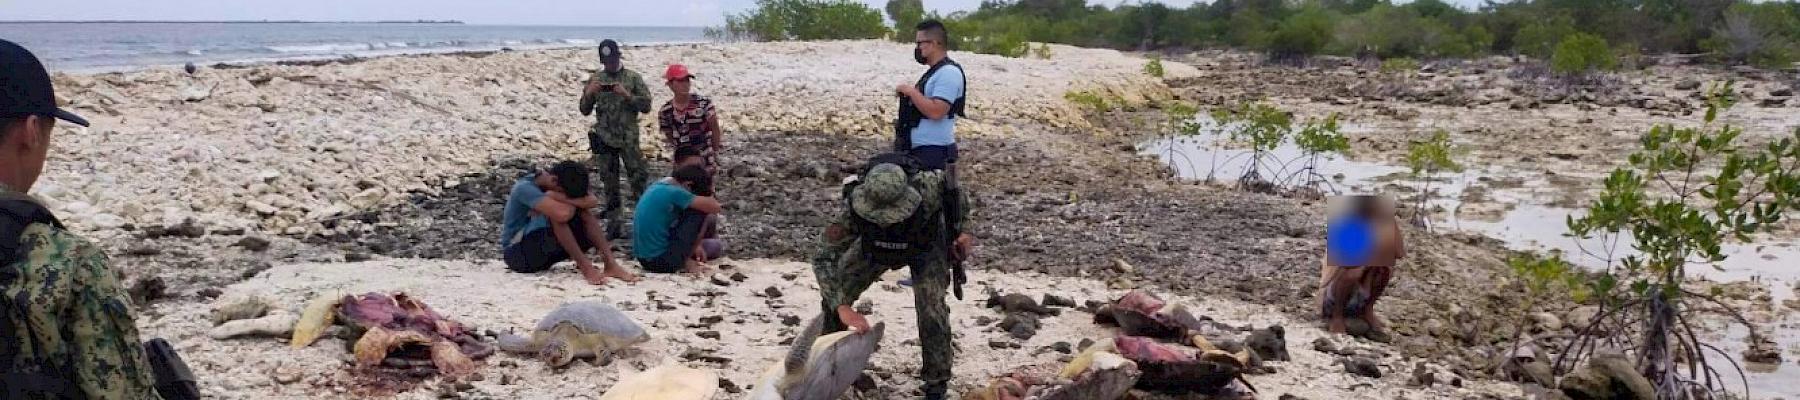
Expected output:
(387, 174)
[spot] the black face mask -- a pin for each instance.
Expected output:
(919, 55)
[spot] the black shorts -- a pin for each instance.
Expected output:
(682, 239)
(934, 157)
(538, 250)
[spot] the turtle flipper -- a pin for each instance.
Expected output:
(518, 344)
(602, 355)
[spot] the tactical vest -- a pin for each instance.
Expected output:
(901, 243)
(16, 213)
(910, 116)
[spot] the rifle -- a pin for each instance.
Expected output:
(174, 381)
(951, 210)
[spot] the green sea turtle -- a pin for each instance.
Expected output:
(577, 329)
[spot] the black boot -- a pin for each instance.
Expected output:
(935, 391)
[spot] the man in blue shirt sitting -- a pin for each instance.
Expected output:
(669, 221)
(549, 218)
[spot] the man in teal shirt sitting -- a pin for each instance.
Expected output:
(669, 220)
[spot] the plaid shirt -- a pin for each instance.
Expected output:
(686, 128)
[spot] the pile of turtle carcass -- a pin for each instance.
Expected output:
(1160, 347)
(392, 332)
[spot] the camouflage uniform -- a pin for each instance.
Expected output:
(614, 136)
(69, 317)
(844, 273)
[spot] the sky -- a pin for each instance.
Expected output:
(511, 12)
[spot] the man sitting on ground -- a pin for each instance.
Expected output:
(667, 226)
(709, 236)
(549, 218)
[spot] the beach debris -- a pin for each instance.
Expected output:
(1361, 366)
(396, 328)
(1097, 373)
(317, 315)
(274, 325)
(578, 330)
(669, 381)
(1269, 343)
(245, 308)
(1174, 369)
(1015, 302)
(253, 243)
(819, 367)
(1139, 313)
(1021, 326)
(1608, 375)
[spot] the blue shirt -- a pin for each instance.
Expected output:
(946, 85)
(516, 219)
(655, 216)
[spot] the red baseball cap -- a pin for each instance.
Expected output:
(676, 71)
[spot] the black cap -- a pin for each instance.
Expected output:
(25, 86)
(609, 51)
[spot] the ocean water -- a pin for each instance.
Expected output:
(103, 46)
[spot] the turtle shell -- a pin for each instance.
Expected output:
(593, 317)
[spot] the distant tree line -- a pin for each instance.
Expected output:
(1765, 33)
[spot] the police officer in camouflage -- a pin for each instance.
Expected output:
(66, 330)
(893, 217)
(615, 96)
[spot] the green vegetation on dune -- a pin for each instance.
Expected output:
(1765, 33)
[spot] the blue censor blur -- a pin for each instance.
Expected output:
(1349, 241)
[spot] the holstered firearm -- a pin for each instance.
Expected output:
(174, 381)
(952, 199)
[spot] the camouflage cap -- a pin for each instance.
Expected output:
(884, 196)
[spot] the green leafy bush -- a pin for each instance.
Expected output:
(777, 20)
(1400, 65)
(1426, 159)
(1582, 53)
(1679, 212)
(1089, 100)
(1264, 128)
(906, 14)
(1540, 38)
(1302, 34)
(1042, 51)
(1154, 67)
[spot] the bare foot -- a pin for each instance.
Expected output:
(616, 272)
(592, 276)
(1336, 325)
(1375, 323)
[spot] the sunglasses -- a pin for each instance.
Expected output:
(684, 79)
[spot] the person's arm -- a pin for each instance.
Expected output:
(109, 362)
(712, 128)
(1399, 241)
(640, 94)
(555, 211)
(665, 122)
(706, 204)
(565, 238)
(583, 203)
(588, 95)
(939, 93)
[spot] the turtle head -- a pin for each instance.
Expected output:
(555, 353)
